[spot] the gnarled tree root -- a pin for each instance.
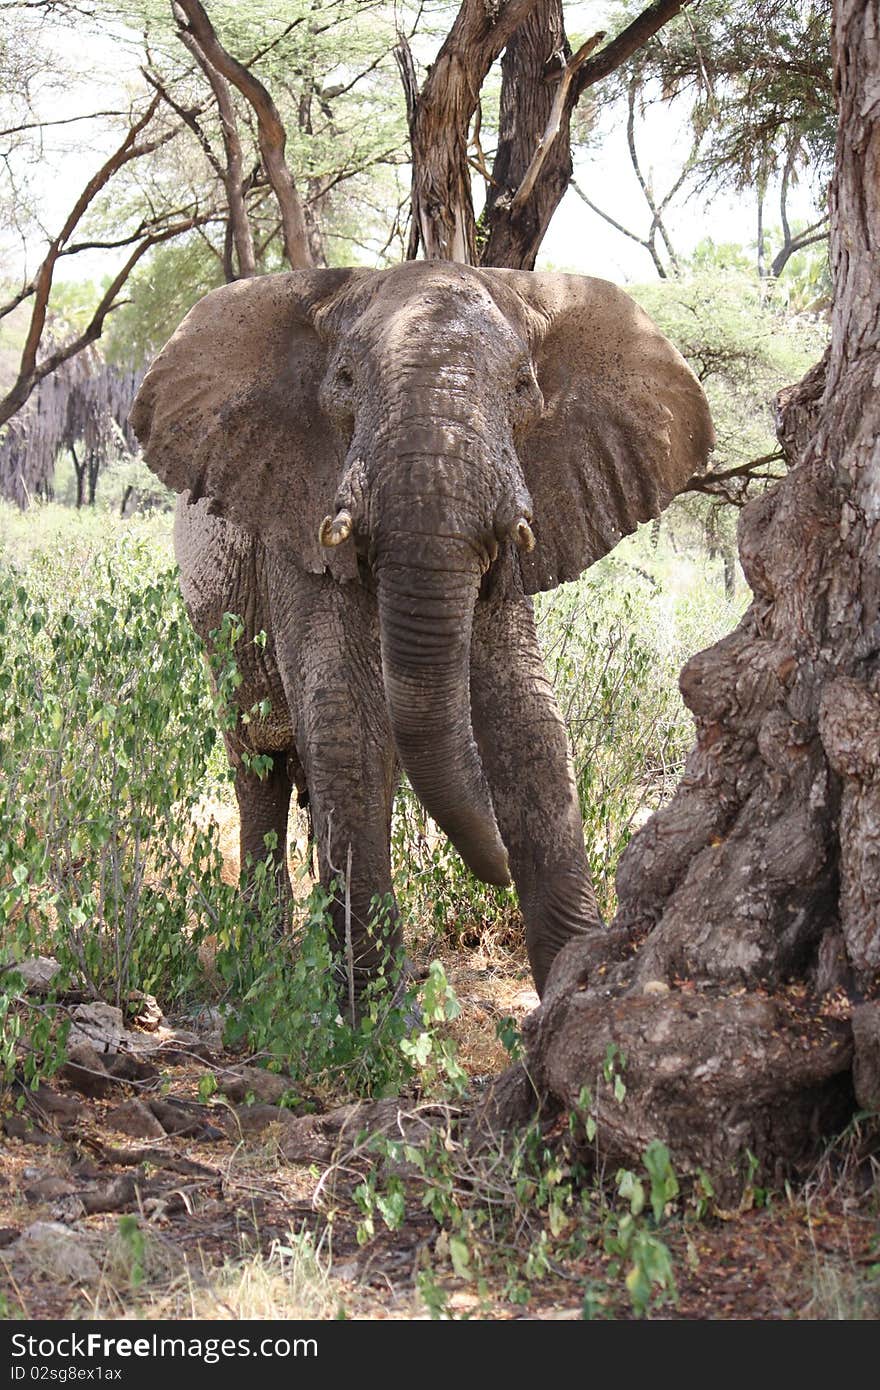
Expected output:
(715, 1073)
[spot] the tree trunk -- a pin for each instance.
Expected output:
(271, 135)
(439, 123)
(94, 466)
(531, 69)
(79, 468)
(747, 940)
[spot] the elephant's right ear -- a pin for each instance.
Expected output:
(229, 409)
(625, 422)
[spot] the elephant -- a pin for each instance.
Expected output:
(378, 469)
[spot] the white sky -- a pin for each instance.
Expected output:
(577, 239)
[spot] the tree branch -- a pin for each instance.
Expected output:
(192, 19)
(63, 120)
(712, 484)
(440, 117)
(232, 176)
(628, 42)
(42, 281)
(26, 382)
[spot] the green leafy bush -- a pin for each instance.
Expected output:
(106, 728)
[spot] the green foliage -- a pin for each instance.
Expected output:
(287, 997)
(108, 744)
(739, 336)
(614, 643)
(330, 70)
(132, 1242)
(742, 345)
(160, 294)
(522, 1207)
(757, 78)
(92, 823)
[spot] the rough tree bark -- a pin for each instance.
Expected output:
(533, 66)
(439, 123)
(741, 974)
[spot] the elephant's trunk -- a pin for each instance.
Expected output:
(426, 608)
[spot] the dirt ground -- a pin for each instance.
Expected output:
(218, 1201)
(151, 1197)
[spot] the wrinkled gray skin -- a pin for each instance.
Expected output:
(468, 438)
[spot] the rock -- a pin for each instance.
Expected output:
(179, 1117)
(100, 1025)
(317, 1138)
(86, 1072)
(49, 1189)
(179, 1045)
(655, 987)
(17, 1127)
(38, 973)
(866, 1068)
(124, 1066)
(144, 1010)
(117, 1195)
(44, 1101)
(58, 1251)
(210, 1024)
(254, 1118)
(133, 1117)
(239, 1082)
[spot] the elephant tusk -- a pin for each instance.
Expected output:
(335, 530)
(524, 535)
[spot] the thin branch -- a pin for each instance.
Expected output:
(42, 282)
(189, 117)
(712, 483)
(657, 220)
(232, 176)
(63, 120)
(619, 227)
(29, 379)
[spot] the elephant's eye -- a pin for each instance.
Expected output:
(344, 377)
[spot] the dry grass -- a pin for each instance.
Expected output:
(292, 1281)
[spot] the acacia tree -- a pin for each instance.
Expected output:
(206, 155)
(754, 77)
(741, 975)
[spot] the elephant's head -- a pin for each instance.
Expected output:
(429, 428)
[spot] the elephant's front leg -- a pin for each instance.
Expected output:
(525, 753)
(328, 644)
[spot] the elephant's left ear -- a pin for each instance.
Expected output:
(625, 422)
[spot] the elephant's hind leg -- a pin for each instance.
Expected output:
(525, 753)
